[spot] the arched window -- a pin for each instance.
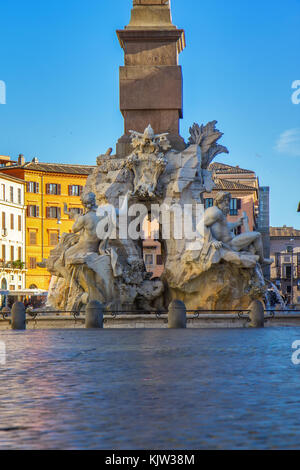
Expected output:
(4, 284)
(33, 286)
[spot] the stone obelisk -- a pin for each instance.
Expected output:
(151, 79)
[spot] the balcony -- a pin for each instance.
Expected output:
(12, 265)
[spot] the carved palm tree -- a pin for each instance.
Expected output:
(207, 137)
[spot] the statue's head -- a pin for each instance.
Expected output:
(222, 201)
(88, 200)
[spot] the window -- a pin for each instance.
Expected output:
(235, 206)
(2, 192)
(75, 190)
(3, 253)
(209, 202)
(53, 212)
(288, 271)
(20, 223)
(19, 196)
(278, 272)
(12, 287)
(53, 189)
(11, 194)
(12, 222)
(12, 253)
(33, 211)
(3, 220)
(75, 210)
(20, 253)
(53, 238)
(32, 264)
(159, 260)
(148, 259)
(32, 187)
(32, 237)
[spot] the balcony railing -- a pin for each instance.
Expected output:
(15, 265)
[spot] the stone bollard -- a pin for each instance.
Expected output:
(94, 315)
(18, 316)
(177, 314)
(257, 314)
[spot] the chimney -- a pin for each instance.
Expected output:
(21, 160)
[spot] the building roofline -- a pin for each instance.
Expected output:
(235, 186)
(11, 178)
(224, 167)
(61, 168)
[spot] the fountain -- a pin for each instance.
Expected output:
(155, 172)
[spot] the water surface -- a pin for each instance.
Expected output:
(150, 389)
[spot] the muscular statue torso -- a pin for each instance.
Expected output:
(216, 221)
(86, 225)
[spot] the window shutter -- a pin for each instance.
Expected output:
(59, 212)
(37, 211)
(47, 212)
(59, 189)
(27, 187)
(37, 187)
(159, 260)
(70, 190)
(80, 190)
(239, 204)
(47, 189)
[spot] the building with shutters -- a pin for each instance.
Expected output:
(48, 186)
(285, 270)
(243, 185)
(12, 232)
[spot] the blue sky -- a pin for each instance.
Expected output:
(60, 62)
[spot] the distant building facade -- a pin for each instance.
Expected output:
(12, 233)
(47, 187)
(285, 270)
(247, 196)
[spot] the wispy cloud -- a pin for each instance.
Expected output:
(289, 143)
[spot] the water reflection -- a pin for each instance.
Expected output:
(122, 389)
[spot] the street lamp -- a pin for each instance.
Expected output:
(58, 223)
